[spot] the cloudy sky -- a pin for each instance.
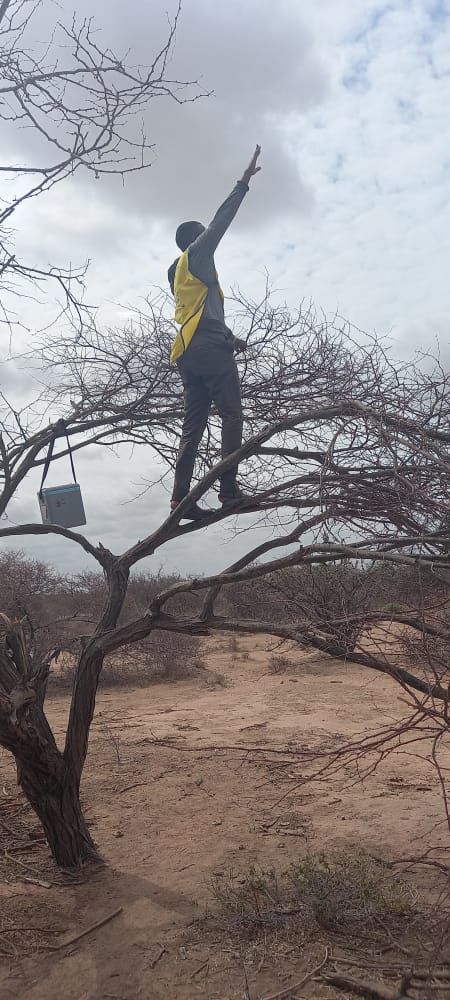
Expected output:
(350, 101)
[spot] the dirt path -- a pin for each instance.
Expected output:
(170, 818)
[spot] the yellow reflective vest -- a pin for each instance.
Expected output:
(190, 297)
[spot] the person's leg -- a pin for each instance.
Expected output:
(197, 402)
(225, 390)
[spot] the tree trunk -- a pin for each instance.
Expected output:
(90, 666)
(50, 787)
(50, 779)
(54, 797)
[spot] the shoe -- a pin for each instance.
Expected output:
(193, 513)
(230, 499)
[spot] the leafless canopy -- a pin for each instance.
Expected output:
(79, 105)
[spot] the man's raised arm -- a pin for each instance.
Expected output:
(208, 241)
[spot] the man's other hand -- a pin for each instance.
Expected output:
(252, 168)
(239, 345)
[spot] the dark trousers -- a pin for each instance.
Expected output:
(209, 373)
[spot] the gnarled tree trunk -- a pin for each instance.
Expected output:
(49, 782)
(50, 787)
(51, 779)
(53, 794)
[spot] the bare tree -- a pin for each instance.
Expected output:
(346, 451)
(348, 455)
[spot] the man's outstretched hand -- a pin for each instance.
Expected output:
(239, 345)
(252, 168)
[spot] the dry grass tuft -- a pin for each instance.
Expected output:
(279, 664)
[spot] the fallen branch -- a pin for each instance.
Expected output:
(200, 968)
(369, 990)
(431, 862)
(89, 930)
(154, 961)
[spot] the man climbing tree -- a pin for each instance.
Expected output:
(204, 347)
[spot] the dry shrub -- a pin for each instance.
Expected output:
(131, 671)
(279, 664)
(339, 892)
(164, 656)
(334, 597)
(62, 672)
(343, 891)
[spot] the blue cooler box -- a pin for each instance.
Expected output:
(62, 505)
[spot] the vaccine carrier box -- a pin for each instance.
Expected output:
(62, 505)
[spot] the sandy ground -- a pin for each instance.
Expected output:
(169, 818)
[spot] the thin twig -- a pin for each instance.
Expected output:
(247, 985)
(8, 828)
(296, 986)
(391, 937)
(35, 881)
(128, 788)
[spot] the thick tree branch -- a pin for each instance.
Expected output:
(142, 627)
(100, 554)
